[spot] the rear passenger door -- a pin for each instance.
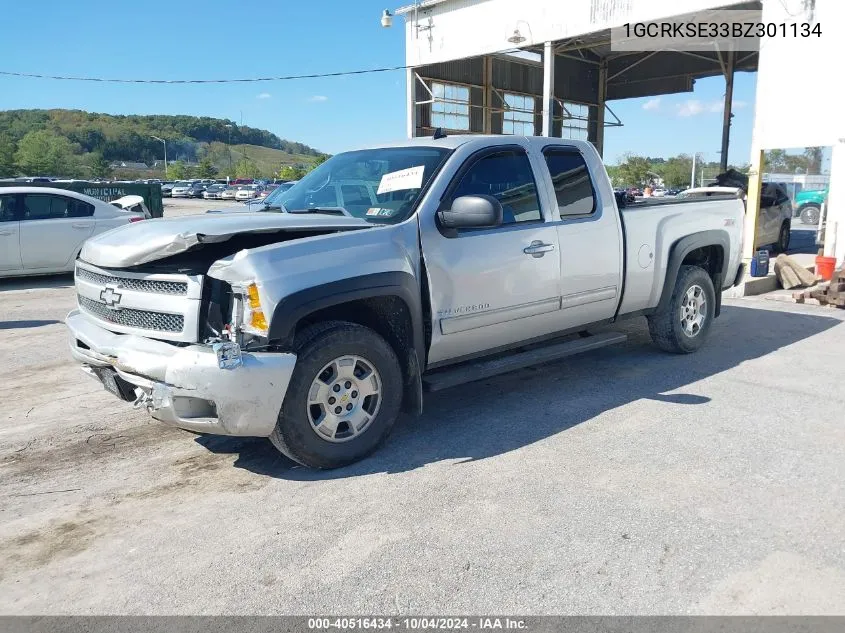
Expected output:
(10, 253)
(493, 286)
(590, 238)
(52, 231)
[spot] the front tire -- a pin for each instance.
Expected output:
(683, 326)
(343, 398)
(810, 214)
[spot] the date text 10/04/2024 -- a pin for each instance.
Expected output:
(418, 623)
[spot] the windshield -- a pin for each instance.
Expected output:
(378, 185)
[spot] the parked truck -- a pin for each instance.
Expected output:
(389, 272)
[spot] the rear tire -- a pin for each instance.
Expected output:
(810, 214)
(368, 379)
(683, 326)
(782, 244)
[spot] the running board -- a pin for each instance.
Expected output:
(487, 368)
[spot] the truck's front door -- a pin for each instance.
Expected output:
(491, 287)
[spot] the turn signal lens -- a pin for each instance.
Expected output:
(257, 320)
(252, 296)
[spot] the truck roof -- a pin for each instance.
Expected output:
(481, 140)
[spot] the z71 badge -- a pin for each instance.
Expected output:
(476, 307)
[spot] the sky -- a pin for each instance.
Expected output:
(221, 39)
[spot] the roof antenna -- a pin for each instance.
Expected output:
(438, 133)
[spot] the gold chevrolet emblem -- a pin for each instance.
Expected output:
(345, 397)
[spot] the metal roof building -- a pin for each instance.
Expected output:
(552, 67)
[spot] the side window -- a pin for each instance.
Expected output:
(7, 208)
(80, 209)
(36, 206)
(506, 176)
(571, 180)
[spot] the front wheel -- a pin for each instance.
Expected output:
(810, 214)
(343, 398)
(682, 326)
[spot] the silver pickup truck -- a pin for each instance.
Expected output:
(385, 273)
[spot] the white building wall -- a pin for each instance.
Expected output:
(468, 28)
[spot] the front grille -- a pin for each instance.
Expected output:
(130, 317)
(141, 285)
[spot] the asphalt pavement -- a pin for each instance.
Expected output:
(624, 481)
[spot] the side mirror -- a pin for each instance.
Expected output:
(472, 212)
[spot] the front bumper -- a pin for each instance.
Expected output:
(184, 386)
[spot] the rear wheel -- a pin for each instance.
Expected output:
(782, 244)
(682, 326)
(810, 214)
(343, 398)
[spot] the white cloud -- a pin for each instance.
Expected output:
(739, 105)
(716, 106)
(690, 107)
(652, 104)
(318, 98)
(264, 95)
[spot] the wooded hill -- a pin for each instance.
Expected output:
(70, 142)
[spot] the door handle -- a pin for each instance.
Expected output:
(538, 248)
(81, 225)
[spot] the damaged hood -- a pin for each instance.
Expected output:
(151, 240)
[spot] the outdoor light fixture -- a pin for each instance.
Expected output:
(517, 37)
(386, 19)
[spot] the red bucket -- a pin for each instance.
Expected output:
(825, 267)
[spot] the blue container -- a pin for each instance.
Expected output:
(760, 264)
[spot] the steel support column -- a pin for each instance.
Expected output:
(410, 100)
(548, 86)
(728, 66)
(488, 95)
(602, 98)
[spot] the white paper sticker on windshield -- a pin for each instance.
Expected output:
(410, 178)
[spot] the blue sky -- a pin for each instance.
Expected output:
(220, 39)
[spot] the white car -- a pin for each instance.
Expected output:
(247, 193)
(774, 221)
(42, 229)
(229, 193)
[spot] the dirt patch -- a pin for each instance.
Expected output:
(58, 539)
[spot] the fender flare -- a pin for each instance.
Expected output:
(291, 309)
(684, 247)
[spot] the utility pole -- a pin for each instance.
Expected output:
(692, 175)
(165, 153)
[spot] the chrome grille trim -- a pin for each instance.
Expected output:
(131, 317)
(141, 285)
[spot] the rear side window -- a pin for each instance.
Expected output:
(506, 176)
(7, 208)
(39, 206)
(571, 180)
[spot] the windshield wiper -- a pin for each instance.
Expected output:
(326, 210)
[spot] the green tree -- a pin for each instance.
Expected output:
(7, 156)
(43, 153)
(206, 168)
(245, 168)
(178, 170)
(291, 172)
(814, 159)
(98, 165)
(675, 171)
(634, 171)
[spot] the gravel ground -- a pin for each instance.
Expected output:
(625, 481)
(174, 207)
